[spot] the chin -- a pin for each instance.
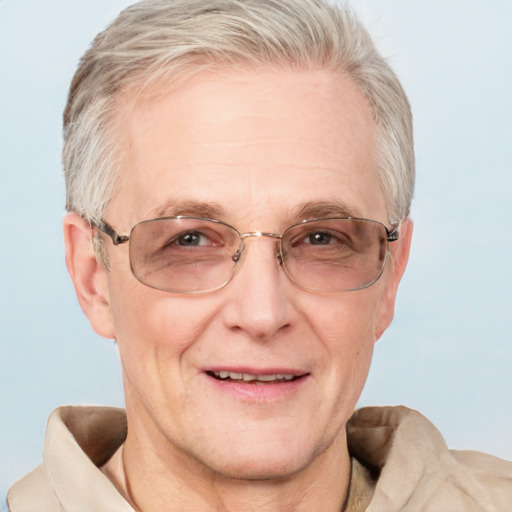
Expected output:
(262, 457)
(261, 469)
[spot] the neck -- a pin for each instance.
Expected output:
(159, 476)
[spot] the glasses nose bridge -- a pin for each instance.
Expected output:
(255, 234)
(259, 234)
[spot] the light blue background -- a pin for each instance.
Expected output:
(449, 351)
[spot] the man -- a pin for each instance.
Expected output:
(239, 177)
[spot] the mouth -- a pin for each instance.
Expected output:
(248, 378)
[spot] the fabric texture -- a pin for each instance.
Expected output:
(400, 464)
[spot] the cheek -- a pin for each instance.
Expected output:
(156, 336)
(346, 327)
(154, 329)
(348, 321)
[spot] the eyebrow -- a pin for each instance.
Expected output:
(320, 209)
(212, 210)
(175, 208)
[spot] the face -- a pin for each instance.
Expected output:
(255, 148)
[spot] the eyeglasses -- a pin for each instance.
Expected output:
(196, 255)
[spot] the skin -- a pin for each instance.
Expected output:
(254, 146)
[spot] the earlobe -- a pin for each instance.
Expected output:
(88, 275)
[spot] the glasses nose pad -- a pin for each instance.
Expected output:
(280, 256)
(238, 253)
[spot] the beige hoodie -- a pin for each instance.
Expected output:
(400, 464)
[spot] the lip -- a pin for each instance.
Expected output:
(250, 391)
(257, 371)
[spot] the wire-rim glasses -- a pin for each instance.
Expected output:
(185, 254)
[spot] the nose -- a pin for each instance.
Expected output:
(258, 295)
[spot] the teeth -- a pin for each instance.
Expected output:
(267, 378)
(246, 377)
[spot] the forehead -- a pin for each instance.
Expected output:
(257, 140)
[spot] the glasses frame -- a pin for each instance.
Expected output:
(392, 235)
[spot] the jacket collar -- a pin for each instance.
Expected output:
(97, 431)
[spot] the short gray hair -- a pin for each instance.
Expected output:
(173, 39)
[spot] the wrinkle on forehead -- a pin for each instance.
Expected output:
(230, 85)
(250, 145)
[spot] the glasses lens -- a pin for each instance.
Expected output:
(183, 255)
(335, 254)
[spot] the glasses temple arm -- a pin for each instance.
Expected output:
(109, 230)
(394, 234)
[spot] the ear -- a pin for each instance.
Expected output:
(399, 256)
(89, 277)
